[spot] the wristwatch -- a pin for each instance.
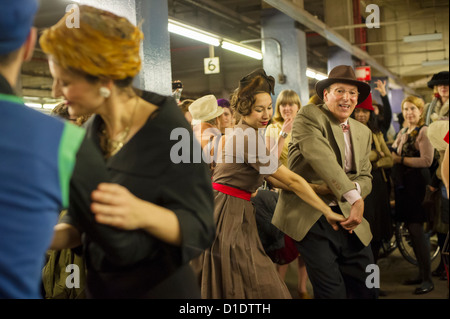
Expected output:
(283, 134)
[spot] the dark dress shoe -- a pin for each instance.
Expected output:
(424, 288)
(411, 282)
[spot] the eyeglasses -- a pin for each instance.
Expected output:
(338, 92)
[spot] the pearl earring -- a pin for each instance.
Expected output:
(105, 92)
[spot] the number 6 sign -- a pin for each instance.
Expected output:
(212, 65)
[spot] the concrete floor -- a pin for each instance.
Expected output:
(394, 269)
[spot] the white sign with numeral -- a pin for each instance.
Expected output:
(212, 65)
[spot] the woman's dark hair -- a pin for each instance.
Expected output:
(372, 123)
(243, 98)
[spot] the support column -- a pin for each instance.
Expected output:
(336, 55)
(396, 97)
(284, 50)
(155, 74)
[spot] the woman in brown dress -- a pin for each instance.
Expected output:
(236, 266)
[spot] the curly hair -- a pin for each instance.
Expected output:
(243, 99)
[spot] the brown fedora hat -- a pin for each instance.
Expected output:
(343, 74)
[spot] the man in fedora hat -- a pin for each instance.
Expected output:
(329, 147)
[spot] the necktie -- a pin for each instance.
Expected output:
(345, 128)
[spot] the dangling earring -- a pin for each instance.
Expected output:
(105, 92)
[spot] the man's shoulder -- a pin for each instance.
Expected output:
(362, 128)
(30, 118)
(311, 108)
(314, 112)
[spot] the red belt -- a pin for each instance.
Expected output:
(232, 191)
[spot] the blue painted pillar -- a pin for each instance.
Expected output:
(293, 60)
(338, 56)
(156, 74)
(396, 97)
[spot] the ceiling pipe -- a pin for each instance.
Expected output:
(281, 75)
(229, 15)
(304, 17)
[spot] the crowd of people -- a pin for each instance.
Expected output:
(306, 183)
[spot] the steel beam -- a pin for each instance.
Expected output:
(308, 20)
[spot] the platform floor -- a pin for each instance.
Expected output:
(394, 269)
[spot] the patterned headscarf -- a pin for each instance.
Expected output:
(105, 45)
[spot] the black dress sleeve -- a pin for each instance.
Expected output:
(387, 114)
(121, 247)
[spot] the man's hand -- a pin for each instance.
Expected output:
(333, 219)
(356, 216)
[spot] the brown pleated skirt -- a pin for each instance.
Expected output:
(236, 266)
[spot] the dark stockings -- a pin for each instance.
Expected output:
(421, 248)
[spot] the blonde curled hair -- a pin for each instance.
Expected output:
(104, 46)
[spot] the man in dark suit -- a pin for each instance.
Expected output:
(329, 147)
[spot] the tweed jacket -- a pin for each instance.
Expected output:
(317, 153)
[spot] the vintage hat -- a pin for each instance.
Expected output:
(366, 104)
(205, 109)
(16, 20)
(440, 78)
(267, 83)
(343, 74)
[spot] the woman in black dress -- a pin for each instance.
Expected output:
(412, 157)
(164, 207)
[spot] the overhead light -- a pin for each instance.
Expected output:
(435, 62)
(193, 33)
(423, 37)
(212, 39)
(227, 45)
(315, 75)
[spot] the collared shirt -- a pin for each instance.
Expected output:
(353, 195)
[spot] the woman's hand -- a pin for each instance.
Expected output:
(114, 205)
(396, 158)
(287, 125)
(333, 219)
(381, 87)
